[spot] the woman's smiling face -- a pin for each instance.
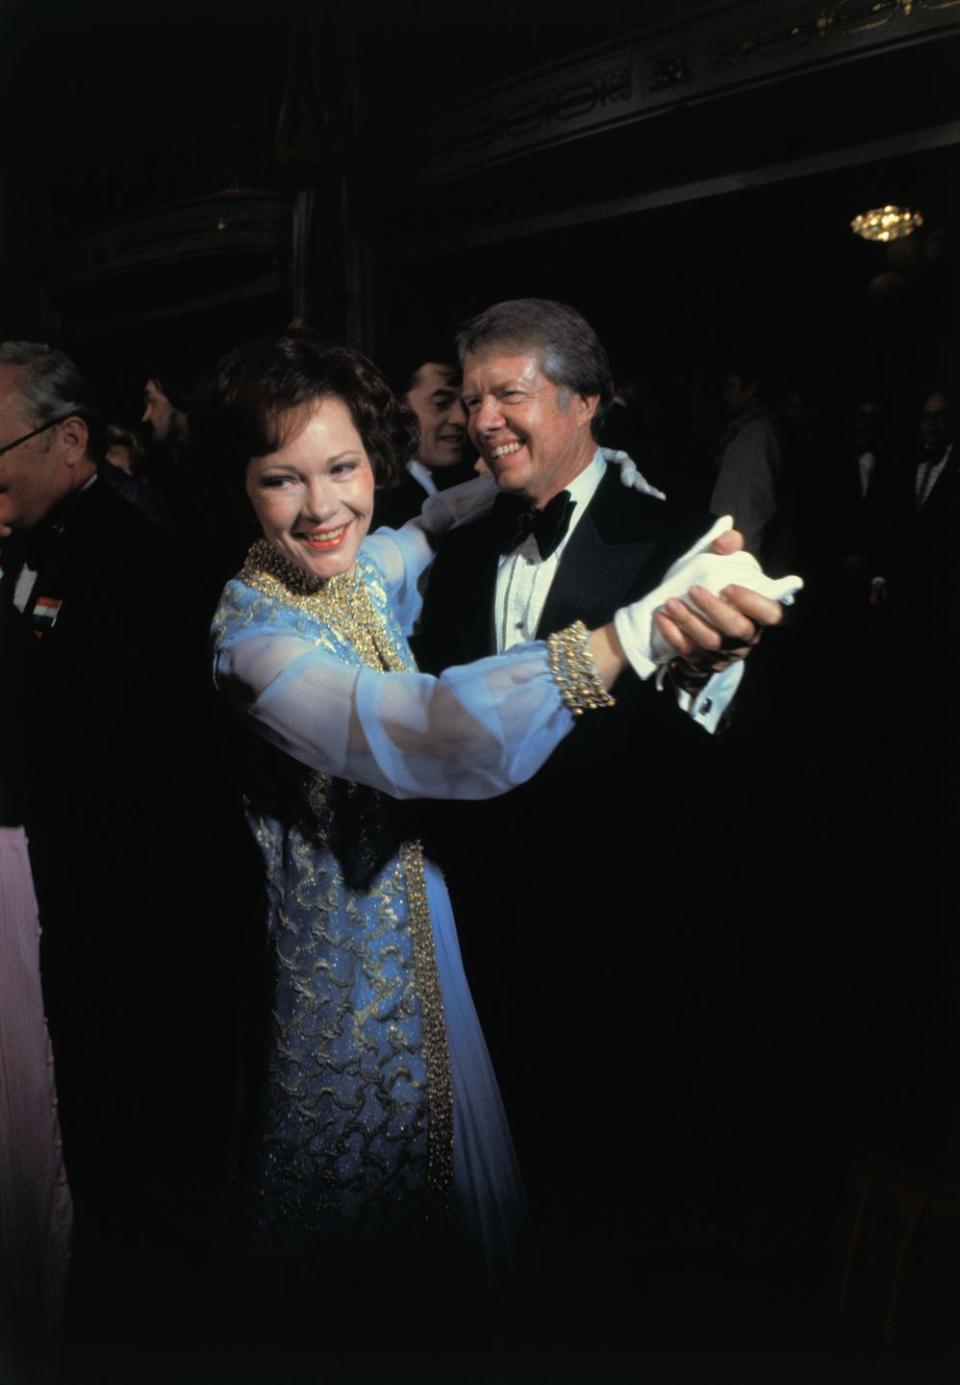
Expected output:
(314, 496)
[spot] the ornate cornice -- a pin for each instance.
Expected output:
(222, 223)
(641, 77)
(823, 25)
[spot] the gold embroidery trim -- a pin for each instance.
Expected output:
(345, 604)
(342, 602)
(435, 1046)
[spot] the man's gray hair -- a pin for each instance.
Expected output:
(570, 352)
(52, 387)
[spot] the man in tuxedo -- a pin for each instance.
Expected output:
(432, 390)
(123, 813)
(918, 501)
(936, 468)
(573, 891)
(864, 490)
(566, 539)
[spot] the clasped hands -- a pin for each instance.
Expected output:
(710, 609)
(700, 619)
(709, 632)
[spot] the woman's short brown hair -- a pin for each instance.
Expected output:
(259, 395)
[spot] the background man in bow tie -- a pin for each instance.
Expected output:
(581, 894)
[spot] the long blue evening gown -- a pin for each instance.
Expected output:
(381, 1140)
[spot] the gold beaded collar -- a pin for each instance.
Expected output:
(342, 602)
(263, 560)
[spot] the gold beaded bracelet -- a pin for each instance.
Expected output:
(575, 671)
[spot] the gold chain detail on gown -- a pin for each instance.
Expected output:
(344, 603)
(440, 1093)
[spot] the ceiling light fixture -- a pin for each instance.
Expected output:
(886, 223)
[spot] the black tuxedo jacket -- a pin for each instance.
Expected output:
(618, 552)
(569, 891)
(936, 522)
(105, 671)
(917, 550)
(643, 750)
(399, 503)
(135, 846)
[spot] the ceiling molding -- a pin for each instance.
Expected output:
(408, 249)
(640, 78)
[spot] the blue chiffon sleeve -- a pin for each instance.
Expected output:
(404, 557)
(475, 732)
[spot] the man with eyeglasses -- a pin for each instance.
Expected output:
(35, 1207)
(29, 486)
(48, 442)
(121, 808)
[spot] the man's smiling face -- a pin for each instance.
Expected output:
(534, 436)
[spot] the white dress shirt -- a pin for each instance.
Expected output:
(524, 578)
(929, 473)
(424, 475)
(27, 579)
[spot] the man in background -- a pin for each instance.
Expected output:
(165, 412)
(126, 821)
(748, 464)
(432, 389)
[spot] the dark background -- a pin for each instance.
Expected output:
(116, 112)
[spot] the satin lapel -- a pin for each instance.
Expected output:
(606, 561)
(474, 593)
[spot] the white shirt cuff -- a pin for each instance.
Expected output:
(707, 705)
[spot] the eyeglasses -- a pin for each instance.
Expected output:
(9, 446)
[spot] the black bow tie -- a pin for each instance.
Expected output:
(517, 520)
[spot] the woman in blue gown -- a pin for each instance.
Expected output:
(380, 1138)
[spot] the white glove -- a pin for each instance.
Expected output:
(630, 473)
(456, 505)
(643, 644)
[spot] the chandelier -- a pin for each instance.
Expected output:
(886, 223)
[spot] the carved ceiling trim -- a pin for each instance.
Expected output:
(223, 223)
(644, 77)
